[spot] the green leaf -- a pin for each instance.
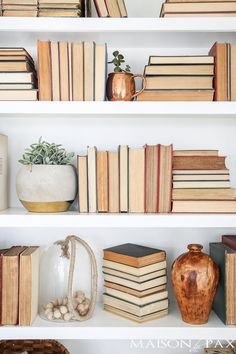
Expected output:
(116, 53)
(120, 56)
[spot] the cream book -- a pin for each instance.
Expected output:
(140, 301)
(137, 286)
(136, 180)
(92, 179)
(131, 277)
(124, 178)
(3, 172)
(138, 272)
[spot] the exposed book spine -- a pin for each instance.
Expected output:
(44, 71)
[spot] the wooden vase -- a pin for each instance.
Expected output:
(195, 277)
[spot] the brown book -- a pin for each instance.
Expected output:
(233, 71)
(100, 71)
(199, 163)
(102, 181)
(229, 240)
(15, 51)
(28, 285)
(136, 180)
(19, 7)
(59, 13)
(183, 59)
(55, 71)
(10, 285)
(165, 178)
(113, 168)
(174, 95)
(11, 66)
(179, 70)
(204, 206)
(179, 82)
(151, 178)
(17, 13)
(82, 166)
(18, 95)
(220, 52)
(44, 71)
(89, 71)
(132, 271)
(133, 291)
(203, 194)
(101, 8)
(64, 71)
(134, 255)
(77, 57)
(13, 57)
(124, 178)
(195, 152)
(113, 8)
(2, 252)
(198, 7)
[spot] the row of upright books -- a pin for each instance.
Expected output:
(42, 8)
(192, 78)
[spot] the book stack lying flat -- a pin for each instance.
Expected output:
(135, 282)
(225, 71)
(179, 78)
(128, 180)
(201, 182)
(61, 8)
(192, 8)
(110, 8)
(72, 71)
(224, 254)
(22, 8)
(19, 279)
(18, 79)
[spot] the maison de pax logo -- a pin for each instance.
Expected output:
(189, 345)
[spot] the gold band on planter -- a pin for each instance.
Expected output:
(46, 207)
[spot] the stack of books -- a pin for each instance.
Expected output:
(192, 8)
(179, 78)
(18, 78)
(135, 282)
(201, 182)
(23, 8)
(225, 72)
(128, 180)
(3, 172)
(61, 8)
(224, 254)
(110, 8)
(72, 71)
(19, 284)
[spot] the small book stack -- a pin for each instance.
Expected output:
(179, 78)
(224, 254)
(3, 172)
(128, 180)
(110, 8)
(18, 78)
(72, 71)
(135, 282)
(225, 71)
(61, 8)
(201, 183)
(193, 8)
(22, 8)
(19, 281)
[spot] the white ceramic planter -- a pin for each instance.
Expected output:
(46, 188)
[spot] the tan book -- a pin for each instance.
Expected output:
(82, 166)
(151, 178)
(10, 285)
(199, 7)
(58, 13)
(200, 14)
(198, 1)
(20, 78)
(61, 6)
(200, 184)
(19, 7)
(122, 8)
(179, 69)
(183, 59)
(135, 292)
(203, 194)
(29, 285)
(64, 71)
(52, 2)
(14, 58)
(135, 318)
(179, 82)
(233, 71)
(54, 52)
(199, 163)
(14, 51)
(195, 152)
(136, 180)
(11, 66)
(17, 13)
(3, 172)
(70, 72)
(100, 71)
(102, 181)
(137, 272)
(220, 52)
(18, 95)
(124, 178)
(113, 8)
(176, 95)
(140, 301)
(131, 277)
(200, 177)
(92, 179)
(201, 172)
(44, 71)
(113, 179)
(22, 2)
(165, 178)
(204, 206)
(101, 8)
(89, 72)
(77, 57)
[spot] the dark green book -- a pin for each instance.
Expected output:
(224, 302)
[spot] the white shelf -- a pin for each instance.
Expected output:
(107, 109)
(21, 218)
(104, 325)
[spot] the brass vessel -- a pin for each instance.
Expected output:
(121, 86)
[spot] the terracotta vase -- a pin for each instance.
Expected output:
(121, 86)
(195, 277)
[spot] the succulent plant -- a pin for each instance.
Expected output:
(44, 153)
(117, 61)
